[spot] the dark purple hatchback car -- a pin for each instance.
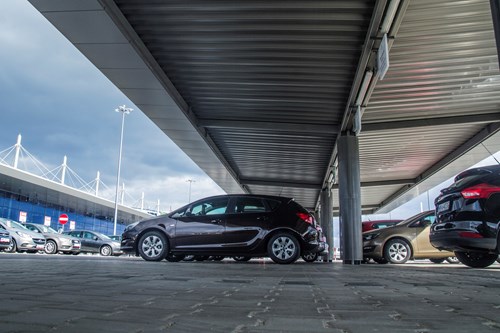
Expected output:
(227, 225)
(468, 217)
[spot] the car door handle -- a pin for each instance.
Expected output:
(262, 218)
(216, 221)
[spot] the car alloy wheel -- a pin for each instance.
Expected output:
(50, 247)
(174, 257)
(397, 251)
(242, 258)
(12, 246)
(153, 246)
(106, 250)
(283, 248)
(310, 257)
(453, 260)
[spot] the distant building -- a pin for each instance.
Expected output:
(29, 198)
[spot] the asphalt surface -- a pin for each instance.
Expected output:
(60, 293)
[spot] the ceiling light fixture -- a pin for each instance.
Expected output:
(389, 16)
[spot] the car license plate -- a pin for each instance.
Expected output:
(76, 246)
(40, 247)
(443, 206)
(4, 240)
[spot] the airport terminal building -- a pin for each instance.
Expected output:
(29, 198)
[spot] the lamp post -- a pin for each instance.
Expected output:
(191, 181)
(124, 110)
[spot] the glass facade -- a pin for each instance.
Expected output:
(22, 209)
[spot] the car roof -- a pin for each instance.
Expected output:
(276, 197)
(489, 169)
(383, 221)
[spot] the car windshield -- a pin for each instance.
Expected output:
(102, 235)
(413, 218)
(14, 224)
(461, 182)
(48, 230)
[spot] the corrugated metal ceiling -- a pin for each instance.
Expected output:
(256, 92)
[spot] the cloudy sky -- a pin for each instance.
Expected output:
(62, 105)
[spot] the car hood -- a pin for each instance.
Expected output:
(395, 229)
(25, 231)
(60, 236)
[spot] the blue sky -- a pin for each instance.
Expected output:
(62, 105)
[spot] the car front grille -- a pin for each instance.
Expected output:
(39, 240)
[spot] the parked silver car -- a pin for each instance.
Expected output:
(5, 238)
(55, 241)
(95, 242)
(23, 239)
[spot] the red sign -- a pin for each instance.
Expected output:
(63, 219)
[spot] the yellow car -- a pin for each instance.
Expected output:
(409, 239)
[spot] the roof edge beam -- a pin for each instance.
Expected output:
(274, 126)
(384, 183)
(469, 119)
(261, 182)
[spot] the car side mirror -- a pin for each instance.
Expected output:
(96, 238)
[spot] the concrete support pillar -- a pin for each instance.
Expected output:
(350, 199)
(327, 220)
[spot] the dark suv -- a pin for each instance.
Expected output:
(468, 216)
(227, 225)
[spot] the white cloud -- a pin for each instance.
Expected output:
(63, 106)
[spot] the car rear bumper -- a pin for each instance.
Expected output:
(461, 240)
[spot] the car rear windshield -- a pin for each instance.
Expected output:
(295, 206)
(464, 182)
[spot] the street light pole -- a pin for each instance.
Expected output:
(191, 181)
(124, 110)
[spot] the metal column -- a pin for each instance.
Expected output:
(327, 220)
(495, 14)
(350, 199)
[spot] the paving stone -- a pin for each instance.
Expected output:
(45, 293)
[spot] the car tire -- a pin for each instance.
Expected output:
(106, 251)
(437, 261)
(174, 257)
(217, 258)
(476, 259)
(397, 251)
(153, 246)
(310, 257)
(50, 247)
(242, 258)
(12, 246)
(283, 248)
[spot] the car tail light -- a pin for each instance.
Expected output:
(305, 217)
(481, 191)
(468, 234)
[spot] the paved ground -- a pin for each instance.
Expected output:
(42, 293)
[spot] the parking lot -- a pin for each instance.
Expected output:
(57, 293)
